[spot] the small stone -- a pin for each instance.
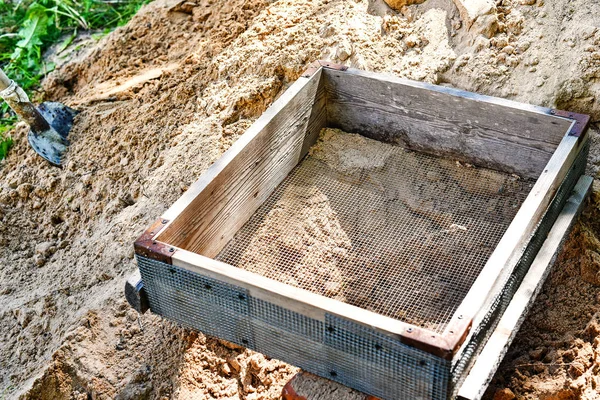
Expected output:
(508, 49)
(527, 2)
(479, 15)
(500, 41)
(255, 361)
(134, 330)
(234, 363)
(226, 369)
(486, 25)
(412, 41)
(344, 51)
(504, 394)
(124, 161)
(39, 260)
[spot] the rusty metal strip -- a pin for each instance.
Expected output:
(316, 65)
(146, 246)
(444, 345)
(581, 124)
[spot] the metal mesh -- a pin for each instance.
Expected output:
(406, 238)
(379, 365)
(338, 349)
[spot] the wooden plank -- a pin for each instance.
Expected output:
(506, 255)
(292, 298)
(496, 347)
(311, 304)
(207, 216)
(494, 133)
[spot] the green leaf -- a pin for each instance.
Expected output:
(65, 43)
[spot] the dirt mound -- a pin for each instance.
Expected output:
(161, 98)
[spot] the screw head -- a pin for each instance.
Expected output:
(164, 221)
(171, 250)
(409, 330)
(552, 112)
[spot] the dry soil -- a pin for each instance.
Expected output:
(162, 97)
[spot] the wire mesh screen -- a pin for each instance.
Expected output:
(396, 232)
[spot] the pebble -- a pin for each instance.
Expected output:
(504, 394)
(226, 369)
(344, 51)
(234, 363)
(508, 49)
(39, 260)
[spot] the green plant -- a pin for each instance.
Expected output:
(5, 143)
(28, 27)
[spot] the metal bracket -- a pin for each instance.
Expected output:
(581, 124)
(314, 67)
(148, 247)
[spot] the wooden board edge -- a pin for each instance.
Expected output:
(489, 359)
(506, 254)
(312, 305)
(549, 112)
(218, 166)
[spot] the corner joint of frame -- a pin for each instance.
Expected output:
(443, 345)
(582, 121)
(316, 65)
(147, 246)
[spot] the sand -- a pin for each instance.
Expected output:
(163, 97)
(370, 224)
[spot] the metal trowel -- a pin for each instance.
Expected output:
(49, 124)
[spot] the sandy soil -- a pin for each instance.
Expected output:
(164, 96)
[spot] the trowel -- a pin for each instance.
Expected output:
(49, 123)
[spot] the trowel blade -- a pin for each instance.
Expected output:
(52, 143)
